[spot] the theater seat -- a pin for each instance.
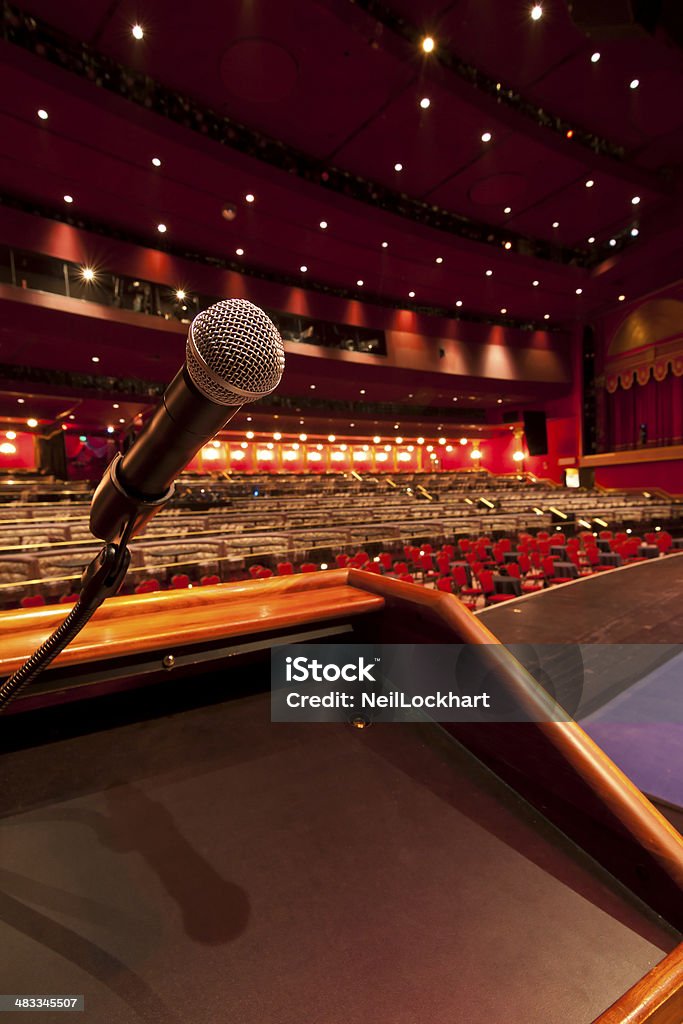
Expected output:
(181, 581)
(32, 601)
(69, 598)
(148, 587)
(209, 581)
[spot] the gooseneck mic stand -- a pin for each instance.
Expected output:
(101, 580)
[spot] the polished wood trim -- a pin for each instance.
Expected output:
(126, 626)
(668, 453)
(655, 999)
(613, 788)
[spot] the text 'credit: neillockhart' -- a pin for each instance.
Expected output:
(394, 699)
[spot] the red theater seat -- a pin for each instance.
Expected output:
(32, 601)
(285, 568)
(69, 598)
(180, 582)
(209, 581)
(148, 587)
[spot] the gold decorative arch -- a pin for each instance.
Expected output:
(648, 342)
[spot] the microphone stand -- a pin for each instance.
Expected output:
(101, 580)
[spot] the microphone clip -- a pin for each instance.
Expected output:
(116, 509)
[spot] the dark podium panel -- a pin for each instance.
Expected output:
(173, 855)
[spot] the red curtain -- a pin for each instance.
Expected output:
(657, 405)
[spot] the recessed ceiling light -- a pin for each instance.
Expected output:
(95, 359)
(504, 310)
(68, 199)
(161, 228)
(42, 114)
(137, 31)
(249, 435)
(21, 401)
(500, 401)
(508, 245)
(11, 435)
(634, 83)
(595, 57)
(303, 437)
(508, 209)
(362, 391)
(31, 423)
(411, 295)
(323, 224)
(428, 44)
(122, 420)
(556, 223)
(303, 268)
(635, 200)
(398, 167)
(546, 316)
(622, 298)
(535, 284)
(439, 259)
(591, 239)
(249, 198)
(634, 232)
(425, 102)
(115, 405)
(579, 291)
(489, 273)
(590, 183)
(359, 282)
(239, 252)
(486, 137)
(536, 12)
(72, 417)
(385, 245)
(612, 242)
(458, 303)
(156, 161)
(312, 387)
(277, 436)
(454, 399)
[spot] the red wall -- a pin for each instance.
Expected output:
(643, 476)
(24, 455)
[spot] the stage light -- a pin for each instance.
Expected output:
(518, 456)
(376, 440)
(612, 242)
(556, 223)
(504, 310)
(331, 438)
(399, 440)
(238, 456)
(507, 245)
(8, 449)
(591, 239)
(463, 440)
(312, 387)
(634, 232)
(243, 444)
(475, 454)
(110, 430)
(535, 284)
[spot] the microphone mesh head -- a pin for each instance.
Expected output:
(234, 353)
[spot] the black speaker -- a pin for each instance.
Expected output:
(536, 433)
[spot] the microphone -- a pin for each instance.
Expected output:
(234, 356)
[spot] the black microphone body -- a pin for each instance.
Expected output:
(234, 356)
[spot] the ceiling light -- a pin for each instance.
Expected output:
(622, 298)
(312, 387)
(535, 284)
(398, 167)
(249, 435)
(595, 57)
(122, 420)
(463, 440)
(459, 303)
(500, 401)
(137, 31)
(536, 12)
(489, 273)
(518, 456)
(42, 114)
(376, 439)
(156, 161)
(504, 310)
(569, 133)
(21, 401)
(591, 239)
(475, 454)
(228, 211)
(303, 437)
(277, 437)
(303, 268)
(115, 405)
(454, 399)
(385, 245)
(590, 183)
(249, 419)
(420, 440)
(239, 252)
(428, 44)
(323, 224)
(486, 137)
(439, 259)
(508, 209)
(411, 295)
(442, 440)
(579, 290)
(88, 274)
(331, 438)
(180, 294)
(425, 102)
(508, 245)
(362, 391)
(10, 435)
(31, 423)
(635, 83)
(68, 199)
(612, 242)
(249, 198)
(546, 316)
(634, 232)
(359, 282)
(635, 200)
(556, 223)
(399, 440)
(161, 228)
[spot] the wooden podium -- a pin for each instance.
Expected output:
(560, 778)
